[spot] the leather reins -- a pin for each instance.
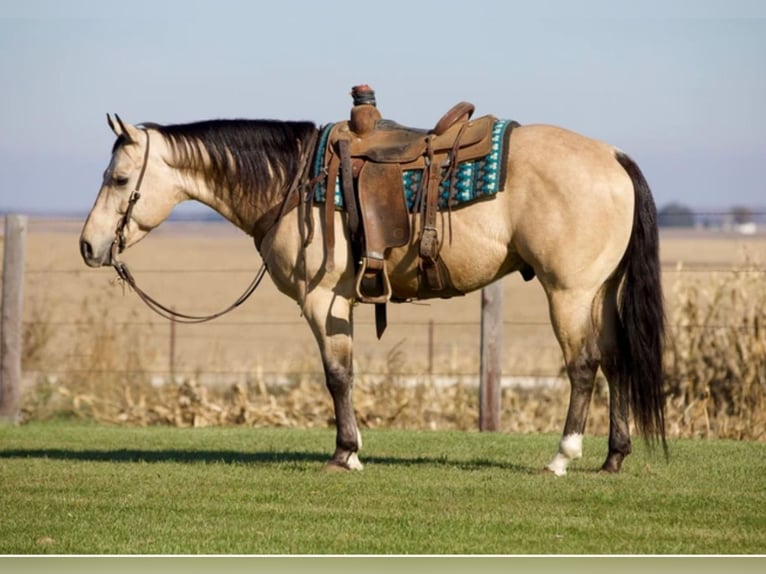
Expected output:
(118, 245)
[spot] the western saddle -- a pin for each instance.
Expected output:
(368, 155)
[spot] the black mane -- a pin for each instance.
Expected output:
(244, 155)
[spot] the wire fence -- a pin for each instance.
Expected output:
(169, 342)
(431, 346)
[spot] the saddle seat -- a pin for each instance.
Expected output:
(368, 154)
(390, 142)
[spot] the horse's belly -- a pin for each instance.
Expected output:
(468, 266)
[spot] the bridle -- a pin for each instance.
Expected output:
(118, 245)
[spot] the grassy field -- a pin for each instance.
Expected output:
(87, 489)
(73, 488)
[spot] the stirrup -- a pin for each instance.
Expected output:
(373, 286)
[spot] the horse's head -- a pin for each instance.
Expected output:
(137, 194)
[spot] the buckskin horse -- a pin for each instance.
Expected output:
(573, 212)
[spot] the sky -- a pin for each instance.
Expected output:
(678, 84)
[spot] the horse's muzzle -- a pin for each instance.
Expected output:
(91, 258)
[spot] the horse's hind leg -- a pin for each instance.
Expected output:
(619, 407)
(573, 323)
(330, 317)
(619, 431)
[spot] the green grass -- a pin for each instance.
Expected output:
(67, 488)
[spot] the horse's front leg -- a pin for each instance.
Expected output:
(331, 320)
(348, 440)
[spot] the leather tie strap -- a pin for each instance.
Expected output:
(329, 212)
(347, 186)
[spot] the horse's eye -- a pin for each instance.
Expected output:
(121, 180)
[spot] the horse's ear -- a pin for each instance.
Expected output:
(111, 125)
(128, 131)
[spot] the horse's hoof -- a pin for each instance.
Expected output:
(549, 471)
(558, 465)
(352, 463)
(613, 464)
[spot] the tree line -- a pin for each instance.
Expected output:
(679, 215)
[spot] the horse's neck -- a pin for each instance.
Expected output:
(201, 190)
(240, 208)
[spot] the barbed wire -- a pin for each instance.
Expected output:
(291, 322)
(257, 373)
(673, 267)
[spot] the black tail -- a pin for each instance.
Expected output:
(641, 329)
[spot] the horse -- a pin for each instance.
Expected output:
(575, 212)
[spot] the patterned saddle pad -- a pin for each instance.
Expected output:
(474, 180)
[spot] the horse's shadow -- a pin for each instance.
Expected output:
(254, 458)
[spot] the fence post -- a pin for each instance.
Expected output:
(172, 350)
(11, 315)
(431, 347)
(491, 345)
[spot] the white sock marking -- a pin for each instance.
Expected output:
(570, 448)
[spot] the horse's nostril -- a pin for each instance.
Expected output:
(86, 250)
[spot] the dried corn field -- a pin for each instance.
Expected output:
(94, 352)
